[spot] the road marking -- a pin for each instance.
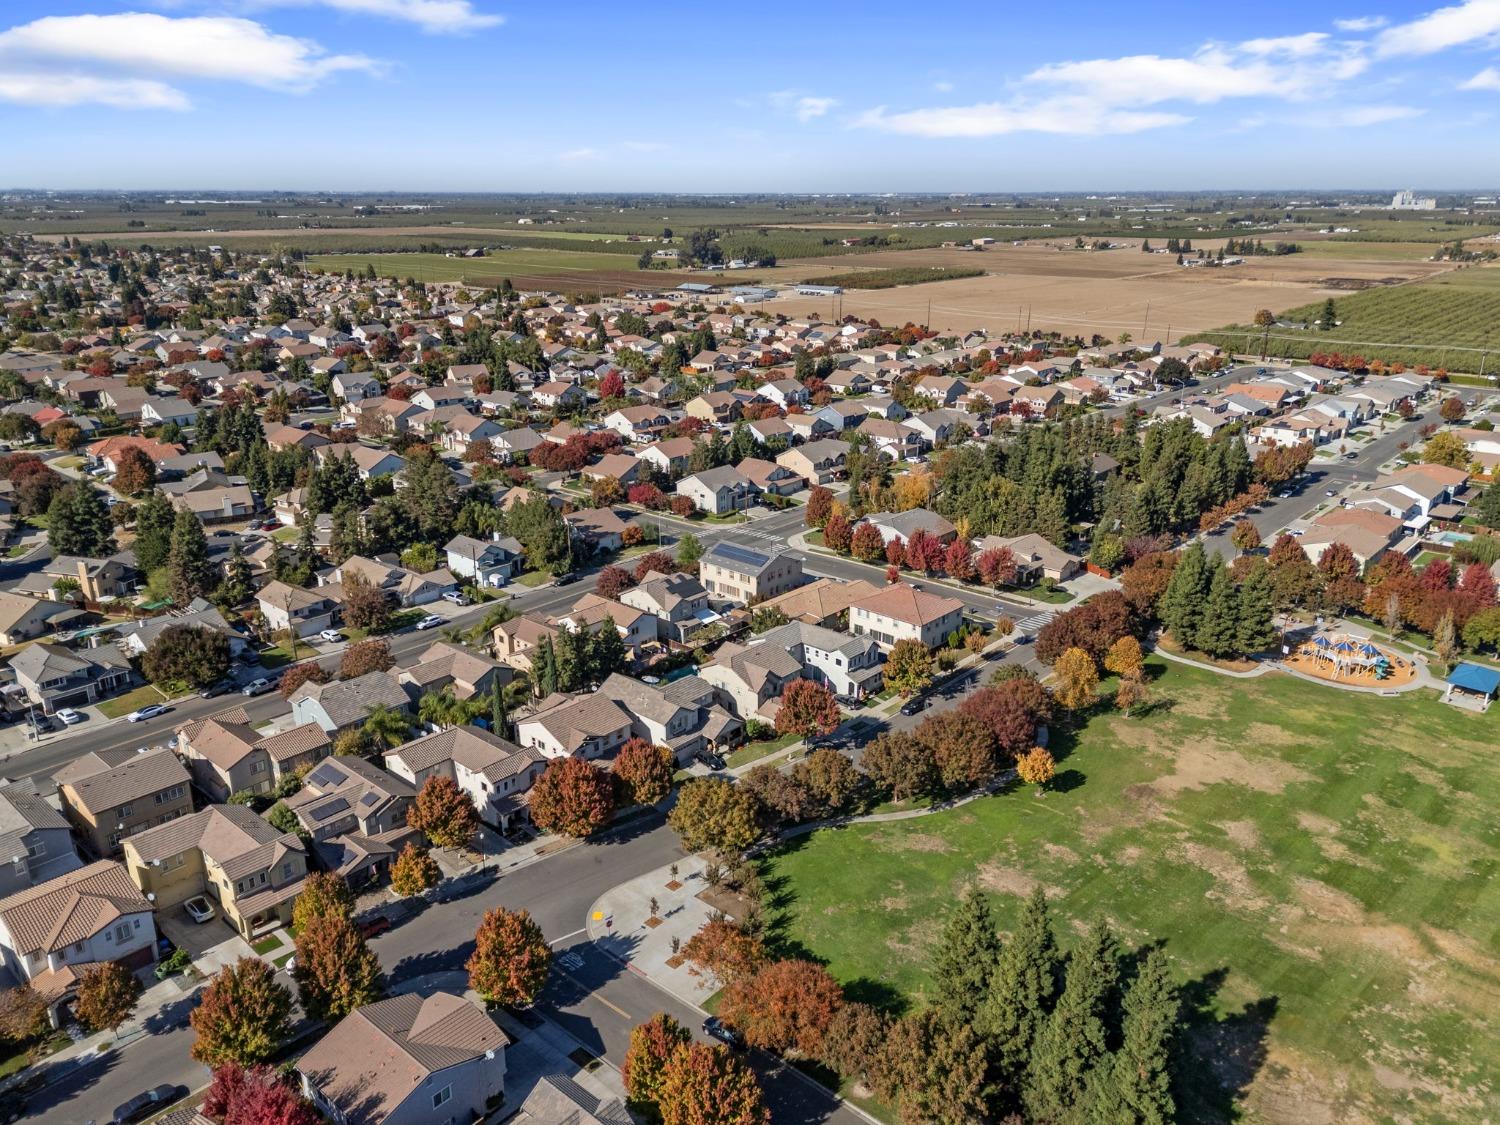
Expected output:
(621, 1012)
(565, 937)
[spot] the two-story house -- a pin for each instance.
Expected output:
(226, 755)
(110, 794)
(742, 574)
(288, 607)
(900, 611)
(344, 704)
(579, 726)
(683, 715)
(485, 562)
(55, 677)
(36, 838)
(404, 587)
(461, 670)
(250, 870)
(494, 772)
(354, 813)
(718, 491)
(677, 601)
(850, 665)
(749, 679)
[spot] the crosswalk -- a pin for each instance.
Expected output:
(1036, 621)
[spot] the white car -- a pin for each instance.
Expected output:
(68, 717)
(332, 636)
(431, 621)
(199, 909)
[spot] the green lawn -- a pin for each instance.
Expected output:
(533, 578)
(1320, 865)
(563, 267)
(286, 534)
(130, 701)
(754, 751)
(266, 944)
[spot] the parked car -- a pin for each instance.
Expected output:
(258, 686)
(456, 597)
(148, 1104)
(150, 711)
(199, 909)
(1329, 492)
(332, 636)
(431, 621)
(914, 706)
(214, 689)
(710, 759)
(69, 717)
(715, 1028)
(564, 579)
(376, 925)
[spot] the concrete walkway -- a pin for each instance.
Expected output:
(1425, 678)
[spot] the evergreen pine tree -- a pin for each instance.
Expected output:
(966, 957)
(1138, 1090)
(606, 650)
(1488, 507)
(1218, 632)
(544, 668)
(1257, 629)
(189, 573)
(237, 585)
(1074, 1039)
(345, 539)
(1182, 603)
(78, 523)
(308, 560)
(571, 654)
(154, 519)
(1021, 990)
(499, 722)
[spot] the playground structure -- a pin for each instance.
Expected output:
(1342, 658)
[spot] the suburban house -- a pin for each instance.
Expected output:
(749, 679)
(485, 562)
(682, 715)
(96, 579)
(718, 491)
(342, 704)
(816, 462)
(286, 607)
(770, 478)
(405, 587)
(52, 932)
(622, 467)
(22, 618)
(556, 1098)
(138, 636)
(226, 755)
(250, 870)
(513, 641)
(414, 1059)
(55, 677)
(461, 670)
(1036, 557)
(678, 601)
(581, 726)
(901, 611)
(638, 423)
(1366, 532)
(354, 813)
(721, 407)
(848, 665)
(637, 627)
(110, 794)
(369, 462)
(596, 529)
(899, 527)
(671, 456)
(36, 838)
(1431, 490)
(745, 575)
(822, 602)
(494, 772)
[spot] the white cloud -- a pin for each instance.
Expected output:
(1486, 79)
(1292, 46)
(438, 17)
(1361, 23)
(122, 60)
(1358, 116)
(943, 87)
(1070, 116)
(1474, 21)
(576, 154)
(804, 107)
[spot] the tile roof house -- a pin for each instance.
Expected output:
(354, 813)
(408, 1060)
(684, 715)
(816, 462)
(406, 587)
(51, 933)
(901, 526)
(110, 794)
(581, 726)
(678, 601)
(670, 456)
(226, 755)
(55, 677)
(556, 1099)
(821, 602)
(446, 665)
(748, 575)
(900, 611)
(250, 870)
(343, 704)
(494, 772)
(513, 641)
(37, 839)
(1036, 557)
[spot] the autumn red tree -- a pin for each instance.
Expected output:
(443, 813)
(866, 543)
(573, 798)
(107, 993)
(663, 562)
(819, 506)
(644, 771)
(1011, 711)
(652, 1045)
(725, 950)
(786, 1006)
(511, 958)
(414, 871)
(365, 657)
(706, 1085)
(135, 471)
(807, 708)
(243, 1017)
(266, 1098)
(646, 496)
(838, 535)
(958, 560)
(299, 674)
(335, 970)
(612, 385)
(962, 746)
(613, 581)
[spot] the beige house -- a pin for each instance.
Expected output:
(251, 871)
(1036, 557)
(579, 726)
(226, 755)
(515, 640)
(355, 815)
(816, 462)
(22, 618)
(821, 602)
(494, 772)
(110, 794)
(746, 575)
(900, 611)
(445, 664)
(285, 606)
(52, 932)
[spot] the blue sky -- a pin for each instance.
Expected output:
(493, 95)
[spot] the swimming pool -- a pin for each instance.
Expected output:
(1451, 537)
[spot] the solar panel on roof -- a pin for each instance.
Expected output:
(741, 554)
(326, 774)
(369, 799)
(332, 808)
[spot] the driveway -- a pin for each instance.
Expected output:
(212, 945)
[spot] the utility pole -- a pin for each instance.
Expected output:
(1145, 320)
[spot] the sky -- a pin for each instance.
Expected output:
(500, 95)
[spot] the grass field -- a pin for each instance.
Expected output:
(527, 269)
(1444, 321)
(1319, 864)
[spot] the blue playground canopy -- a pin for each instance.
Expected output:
(1475, 678)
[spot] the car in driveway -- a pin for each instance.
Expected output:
(715, 1028)
(147, 1104)
(710, 759)
(70, 717)
(199, 909)
(456, 598)
(431, 621)
(150, 711)
(332, 636)
(258, 686)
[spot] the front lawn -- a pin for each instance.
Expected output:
(534, 578)
(266, 944)
(1319, 864)
(754, 751)
(130, 701)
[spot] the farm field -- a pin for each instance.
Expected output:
(1323, 883)
(1444, 321)
(564, 270)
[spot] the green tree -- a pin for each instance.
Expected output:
(712, 812)
(1182, 604)
(1138, 1089)
(511, 958)
(189, 573)
(238, 583)
(429, 497)
(154, 519)
(1256, 629)
(78, 523)
(387, 726)
(1073, 1040)
(244, 1016)
(689, 551)
(345, 536)
(1218, 631)
(1022, 989)
(187, 654)
(908, 668)
(605, 650)
(966, 957)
